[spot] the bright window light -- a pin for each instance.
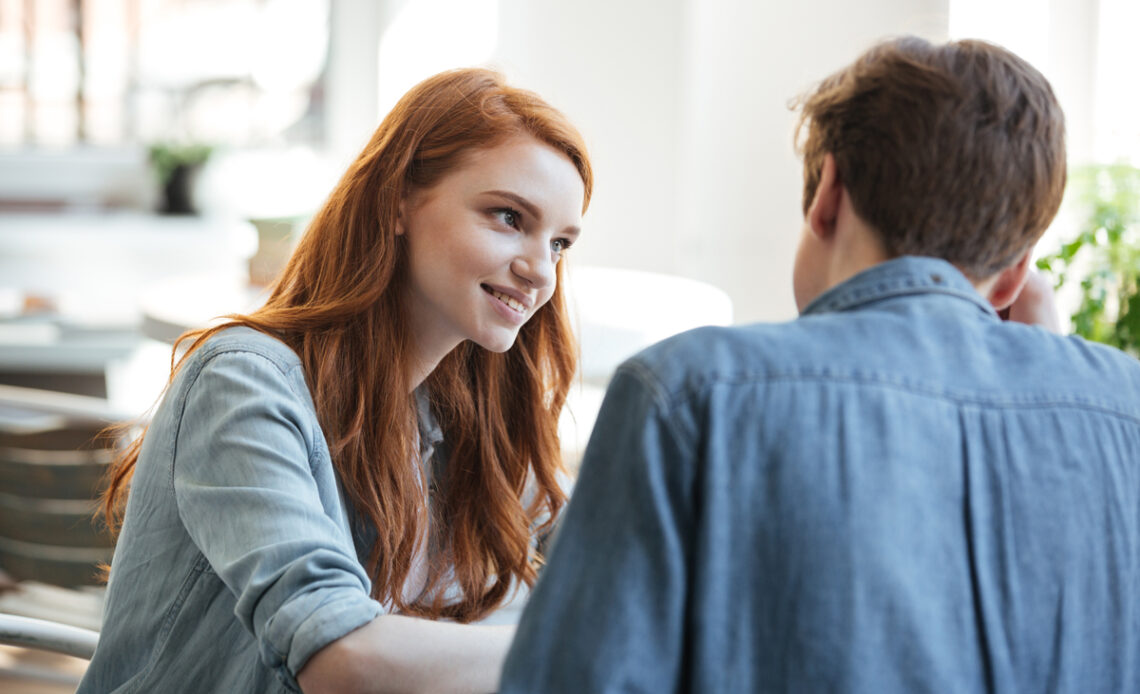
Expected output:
(418, 44)
(1022, 26)
(1117, 130)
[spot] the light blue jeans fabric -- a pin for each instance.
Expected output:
(236, 560)
(896, 492)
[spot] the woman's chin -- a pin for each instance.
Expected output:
(498, 343)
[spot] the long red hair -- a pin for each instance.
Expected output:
(338, 304)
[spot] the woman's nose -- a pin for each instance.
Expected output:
(535, 265)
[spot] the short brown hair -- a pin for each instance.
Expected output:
(955, 151)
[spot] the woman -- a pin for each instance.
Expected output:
(339, 480)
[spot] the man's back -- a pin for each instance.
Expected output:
(895, 493)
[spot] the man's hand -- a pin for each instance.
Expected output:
(1035, 305)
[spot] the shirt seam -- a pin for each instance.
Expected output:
(198, 367)
(660, 394)
(901, 276)
(861, 296)
(213, 353)
(693, 391)
(188, 583)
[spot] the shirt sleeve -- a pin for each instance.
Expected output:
(246, 492)
(609, 611)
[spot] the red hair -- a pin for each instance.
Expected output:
(339, 305)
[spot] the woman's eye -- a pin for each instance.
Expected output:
(559, 245)
(509, 217)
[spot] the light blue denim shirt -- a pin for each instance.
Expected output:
(236, 560)
(896, 492)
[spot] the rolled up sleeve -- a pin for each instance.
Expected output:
(262, 507)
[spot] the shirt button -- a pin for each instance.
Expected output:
(936, 278)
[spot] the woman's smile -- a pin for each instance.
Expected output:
(484, 244)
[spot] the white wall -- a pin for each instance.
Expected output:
(740, 182)
(684, 105)
(613, 68)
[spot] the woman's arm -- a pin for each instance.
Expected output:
(393, 653)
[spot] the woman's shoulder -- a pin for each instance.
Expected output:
(241, 339)
(241, 365)
(243, 360)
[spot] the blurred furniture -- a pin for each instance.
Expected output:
(618, 312)
(71, 285)
(173, 305)
(52, 462)
(43, 656)
(43, 634)
(98, 263)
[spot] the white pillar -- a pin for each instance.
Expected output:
(740, 182)
(352, 97)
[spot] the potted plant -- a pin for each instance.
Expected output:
(1105, 255)
(176, 166)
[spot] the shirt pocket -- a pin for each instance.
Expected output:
(202, 646)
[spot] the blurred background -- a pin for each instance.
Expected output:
(158, 159)
(117, 117)
(684, 104)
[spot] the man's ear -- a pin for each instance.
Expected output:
(1009, 282)
(824, 209)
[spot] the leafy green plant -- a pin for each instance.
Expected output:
(1105, 255)
(176, 166)
(166, 157)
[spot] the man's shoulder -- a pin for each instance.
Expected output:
(961, 360)
(1119, 371)
(718, 353)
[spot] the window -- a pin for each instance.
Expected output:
(121, 72)
(1087, 52)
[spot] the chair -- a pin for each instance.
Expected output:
(42, 634)
(50, 473)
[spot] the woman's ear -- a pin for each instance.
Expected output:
(401, 215)
(824, 209)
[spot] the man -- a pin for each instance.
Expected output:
(897, 492)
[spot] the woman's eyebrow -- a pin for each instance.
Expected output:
(531, 209)
(519, 200)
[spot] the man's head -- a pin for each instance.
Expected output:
(955, 151)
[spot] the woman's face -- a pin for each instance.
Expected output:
(483, 244)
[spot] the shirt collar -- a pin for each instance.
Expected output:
(430, 432)
(899, 277)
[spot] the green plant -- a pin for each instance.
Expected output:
(176, 166)
(1105, 255)
(167, 157)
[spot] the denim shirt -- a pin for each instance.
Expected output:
(236, 560)
(896, 492)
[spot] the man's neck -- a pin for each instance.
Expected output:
(857, 248)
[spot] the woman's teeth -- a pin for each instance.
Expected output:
(507, 300)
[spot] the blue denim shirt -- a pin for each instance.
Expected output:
(896, 492)
(236, 560)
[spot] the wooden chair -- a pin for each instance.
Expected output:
(51, 467)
